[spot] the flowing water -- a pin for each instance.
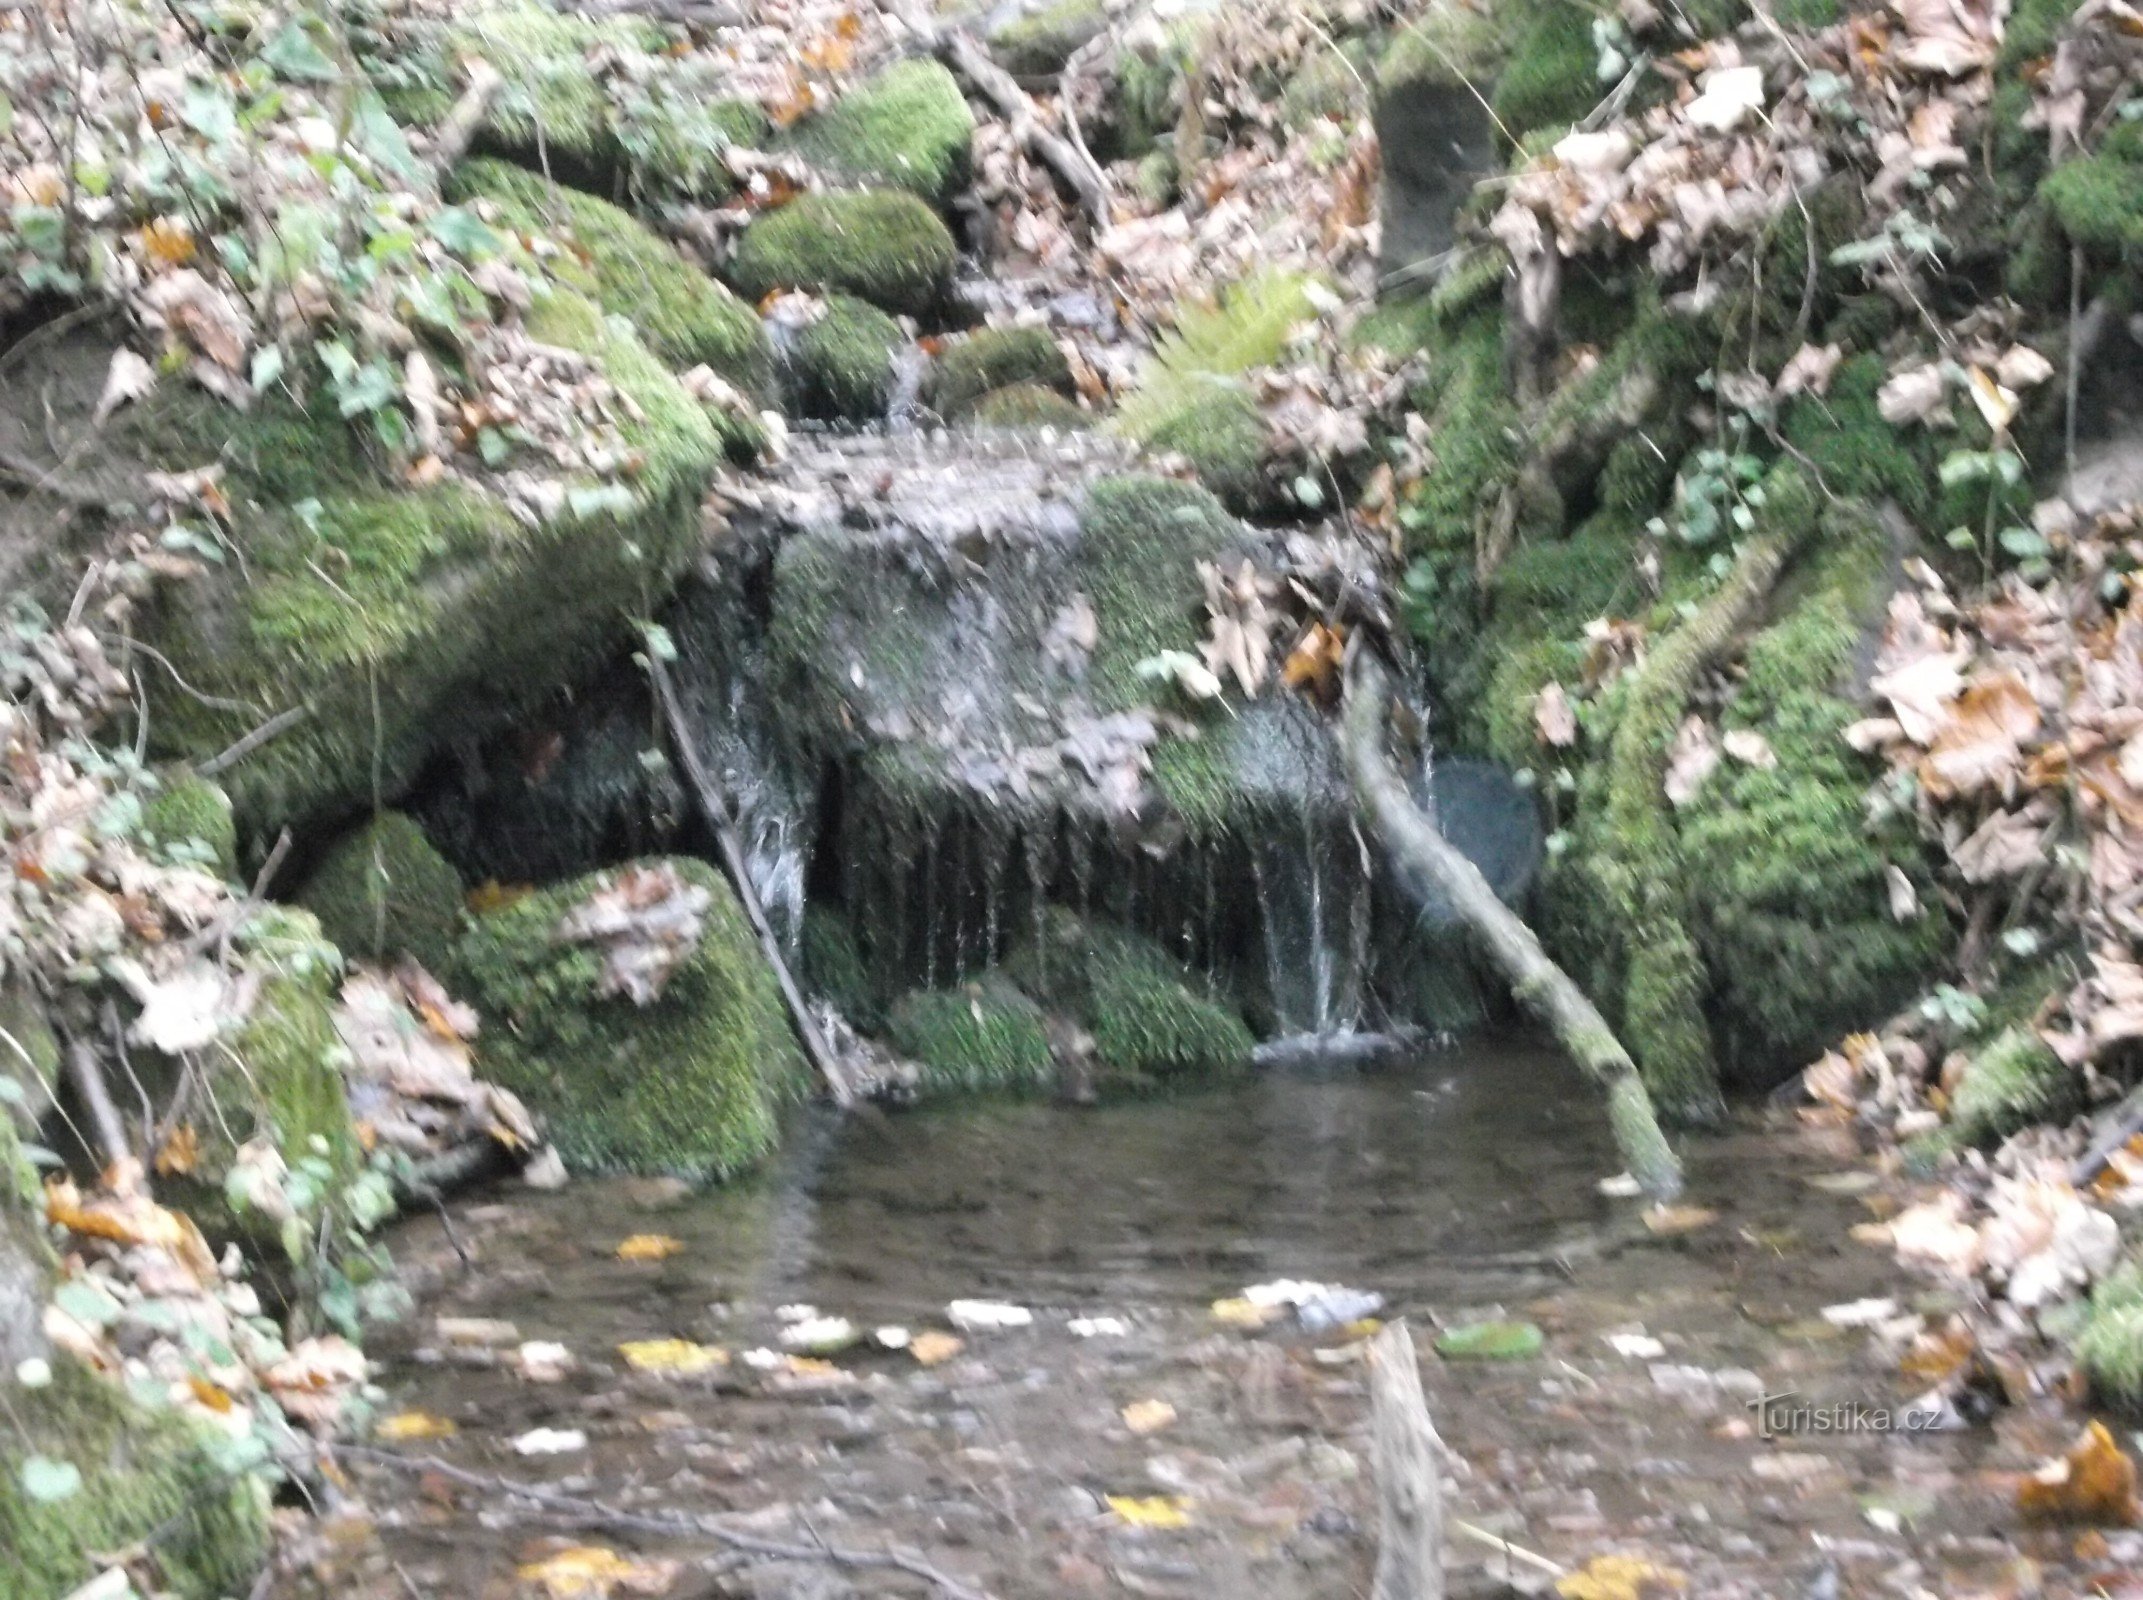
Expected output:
(1459, 1185)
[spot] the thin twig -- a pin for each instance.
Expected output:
(280, 723)
(677, 1523)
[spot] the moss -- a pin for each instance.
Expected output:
(383, 891)
(2034, 28)
(981, 1035)
(191, 816)
(1144, 103)
(147, 1479)
(1450, 42)
(283, 1078)
(1222, 434)
(843, 364)
(2011, 1081)
(689, 1084)
(1552, 77)
(1329, 83)
(1148, 1024)
(398, 616)
(2110, 1348)
(1038, 42)
(1141, 541)
(833, 966)
(2098, 198)
(992, 358)
(884, 247)
(30, 1058)
(681, 315)
(1027, 405)
(906, 128)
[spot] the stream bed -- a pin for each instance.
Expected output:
(1461, 1185)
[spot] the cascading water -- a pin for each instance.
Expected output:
(1313, 905)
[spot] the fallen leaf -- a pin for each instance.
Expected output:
(1914, 395)
(1691, 760)
(1620, 1578)
(1669, 1221)
(405, 1427)
(1148, 1416)
(1729, 95)
(1165, 1511)
(673, 1358)
(1490, 1341)
(180, 1152)
(1237, 1312)
(128, 378)
(1553, 718)
(591, 1572)
(2094, 1483)
(648, 1247)
(1809, 371)
(645, 920)
(932, 1348)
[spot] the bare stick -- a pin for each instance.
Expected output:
(1068, 161)
(280, 723)
(88, 1075)
(1410, 1494)
(450, 142)
(677, 1524)
(714, 807)
(1501, 936)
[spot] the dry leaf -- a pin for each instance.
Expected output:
(2094, 1483)
(931, 1348)
(1553, 718)
(128, 378)
(1620, 1578)
(648, 1247)
(673, 1358)
(1150, 1511)
(1751, 749)
(1148, 1416)
(1809, 371)
(1691, 760)
(180, 1153)
(1667, 1221)
(405, 1427)
(1914, 395)
(646, 920)
(590, 1572)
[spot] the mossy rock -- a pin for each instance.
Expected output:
(2011, 1081)
(2098, 198)
(1222, 434)
(994, 358)
(1550, 77)
(909, 127)
(1148, 1024)
(979, 1035)
(189, 818)
(690, 1084)
(1027, 406)
(382, 891)
(1144, 101)
(1449, 43)
(2110, 1347)
(146, 1477)
(681, 315)
(1038, 41)
(658, 128)
(842, 366)
(404, 617)
(881, 245)
(833, 966)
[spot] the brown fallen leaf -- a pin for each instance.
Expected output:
(648, 1247)
(405, 1426)
(673, 1358)
(1667, 1221)
(2095, 1483)
(932, 1348)
(591, 1572)
(1148, 1416)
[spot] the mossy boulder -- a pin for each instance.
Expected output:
(404, 617)
(1027, 405)
(994, 358)
(882, 246)
(1550, 77)
(2098, 198)
(979, 1035)
(1038, 40)
(1222, 434)
(909, 127)
(842, 365)
(189, 818)
(689, 1084)
(1149, 1025)
(683, 316)
(658, 126)
(833, 966)
(2012, 1080)
(382, 891)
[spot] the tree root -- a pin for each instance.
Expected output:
(677, 1524)
(1540, 986)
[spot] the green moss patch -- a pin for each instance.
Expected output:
(2110, 1348)
(907, 128)
(992, 358)
(402, 617)
(689, 1084)
(842, 365)
(383, 891)
(1222, 434)
(885, 247)
(1039, 41)
(683, 316)
(1027, 405)
(981, 1035)
(190, 818)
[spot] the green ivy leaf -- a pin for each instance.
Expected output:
(464, 233)
(293, 55)
(46, 1480)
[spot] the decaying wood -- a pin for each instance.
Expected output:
(714, 808)
(87, 1074)
(1410, 1496)
(580, 1511)
(966, 56)
(450, 142)
(1501, 936)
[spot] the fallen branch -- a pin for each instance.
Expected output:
(1504, 941)
(236, 752)
(1410, 1494)
(450, 141)
(1068, 161)
(87, 1073)
(678, 1524)
(714, 808)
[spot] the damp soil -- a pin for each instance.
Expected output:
(1460, 1185)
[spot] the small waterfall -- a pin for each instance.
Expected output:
(904, 407)
(1313, 905)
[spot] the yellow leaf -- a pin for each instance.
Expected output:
(1244, 1314)
(180, 1152)
(1996, 404)
(2094, 1482)
(1148, 1416)
(492, 895)
(590, 1572)
(932, 1348)
(649, 1247)
(679, 1358)
(406, 1426)
(1619, 1578)
(1670, 1220)
(168, 242)
(1150, 1511)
